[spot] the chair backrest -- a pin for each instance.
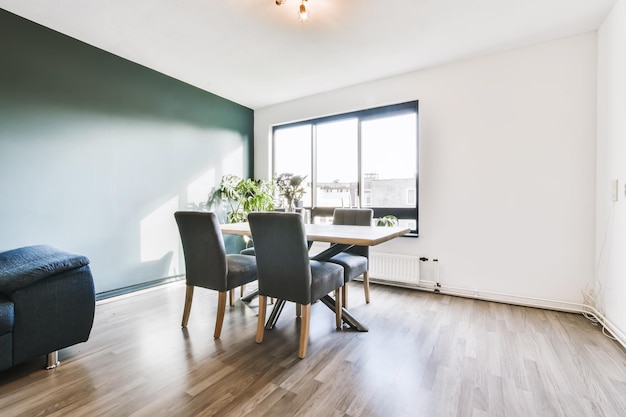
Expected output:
(354, 217)
(283, 266)
(203, 246)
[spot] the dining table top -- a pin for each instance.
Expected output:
(343, 234)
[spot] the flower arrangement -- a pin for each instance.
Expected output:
(290, 187)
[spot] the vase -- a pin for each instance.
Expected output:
(291, 206)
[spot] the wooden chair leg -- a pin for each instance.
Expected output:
(344, 295)
(231, 296)
(260, 327)
(338, 310)
(221, 308)
(187, 308)
(298, 310)
(242, 290)
(304, 330)
(366, 286)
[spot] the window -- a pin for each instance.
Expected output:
(367, 158)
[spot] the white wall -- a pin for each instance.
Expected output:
(507, 165)
(611, 165)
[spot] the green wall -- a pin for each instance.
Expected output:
(97, 152)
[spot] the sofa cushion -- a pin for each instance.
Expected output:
(22, 267)
(7, 315)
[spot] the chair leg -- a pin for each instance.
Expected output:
(304, 330)
(344, 295)
(187, 308)
(298, 310)
(338, 310)
(260, 327)
(231, 296)
(242, 289)
(221, 308)
(366, 286)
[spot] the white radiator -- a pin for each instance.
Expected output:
(393, 268)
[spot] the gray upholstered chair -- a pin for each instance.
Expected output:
(206, 263)
(250, 250)
(355, 261)
(286, 272)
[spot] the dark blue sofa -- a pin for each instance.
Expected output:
(47, 303)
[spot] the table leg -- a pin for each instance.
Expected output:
(278, 308)
(329, 302)
(251, 296)
(348, 318)
(331, 251)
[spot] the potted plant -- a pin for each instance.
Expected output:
(387, 221)
(233, 198)
(238, 197)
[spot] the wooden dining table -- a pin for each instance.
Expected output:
(341, 238)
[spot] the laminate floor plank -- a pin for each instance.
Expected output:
(425, 354)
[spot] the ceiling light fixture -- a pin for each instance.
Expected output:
(303, 12)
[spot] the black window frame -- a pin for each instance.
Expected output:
(405, 213)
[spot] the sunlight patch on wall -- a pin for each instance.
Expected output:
(234, 162)
(198, 190)
(159, 236)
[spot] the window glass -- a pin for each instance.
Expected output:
(389, 160)
(337, 164)
(292, 154)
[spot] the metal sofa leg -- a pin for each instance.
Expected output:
(52, 360)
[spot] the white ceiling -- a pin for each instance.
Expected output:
(258, 54)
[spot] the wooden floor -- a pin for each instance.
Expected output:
(425, 355)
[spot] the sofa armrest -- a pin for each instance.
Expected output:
(22, 267)
(53, 313)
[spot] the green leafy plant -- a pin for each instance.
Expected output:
(387, 221)
(240, 196)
